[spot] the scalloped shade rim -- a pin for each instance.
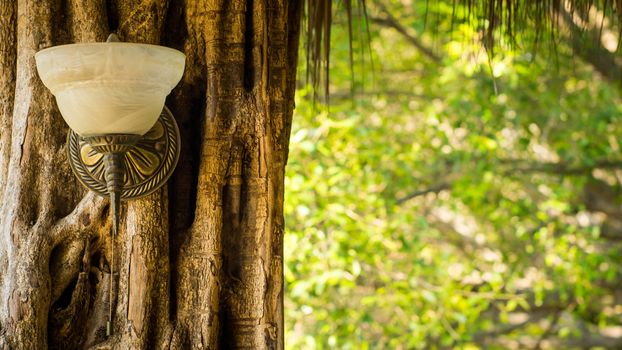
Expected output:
(112, 87)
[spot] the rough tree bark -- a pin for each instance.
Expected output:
(199, 262)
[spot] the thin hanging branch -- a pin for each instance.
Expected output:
(319, 22)
(509, 18)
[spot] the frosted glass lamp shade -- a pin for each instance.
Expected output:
(112, 87)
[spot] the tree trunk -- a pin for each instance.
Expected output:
(199, 263)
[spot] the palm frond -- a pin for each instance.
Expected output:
(318, 24)
(499, 19)
(509, 17)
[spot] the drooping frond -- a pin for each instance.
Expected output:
(505, 20)
(318, 23)
(511, 17)
(317, 40)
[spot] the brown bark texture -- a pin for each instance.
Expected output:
(197, 265)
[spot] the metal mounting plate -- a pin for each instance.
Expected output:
(148, 164)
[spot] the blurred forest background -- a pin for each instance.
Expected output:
(449, 198)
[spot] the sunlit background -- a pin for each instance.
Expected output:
(449, 198)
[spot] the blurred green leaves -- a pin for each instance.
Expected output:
(512, 161)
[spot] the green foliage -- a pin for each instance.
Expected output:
(514, 167)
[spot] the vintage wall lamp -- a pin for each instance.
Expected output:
(123, 142)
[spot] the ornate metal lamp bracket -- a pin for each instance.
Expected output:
(145, 162)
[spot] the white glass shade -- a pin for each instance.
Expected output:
(110, 88)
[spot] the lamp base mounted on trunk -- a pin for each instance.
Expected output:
(147, 161)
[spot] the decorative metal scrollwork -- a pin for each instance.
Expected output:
(148, 164)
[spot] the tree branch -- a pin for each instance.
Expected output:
(434, 189)
(548, 330)
(605, 62)
(560, 168)
(524, 166)
(389, 21)
(482, 337)
(588, 340)
(366, 94)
